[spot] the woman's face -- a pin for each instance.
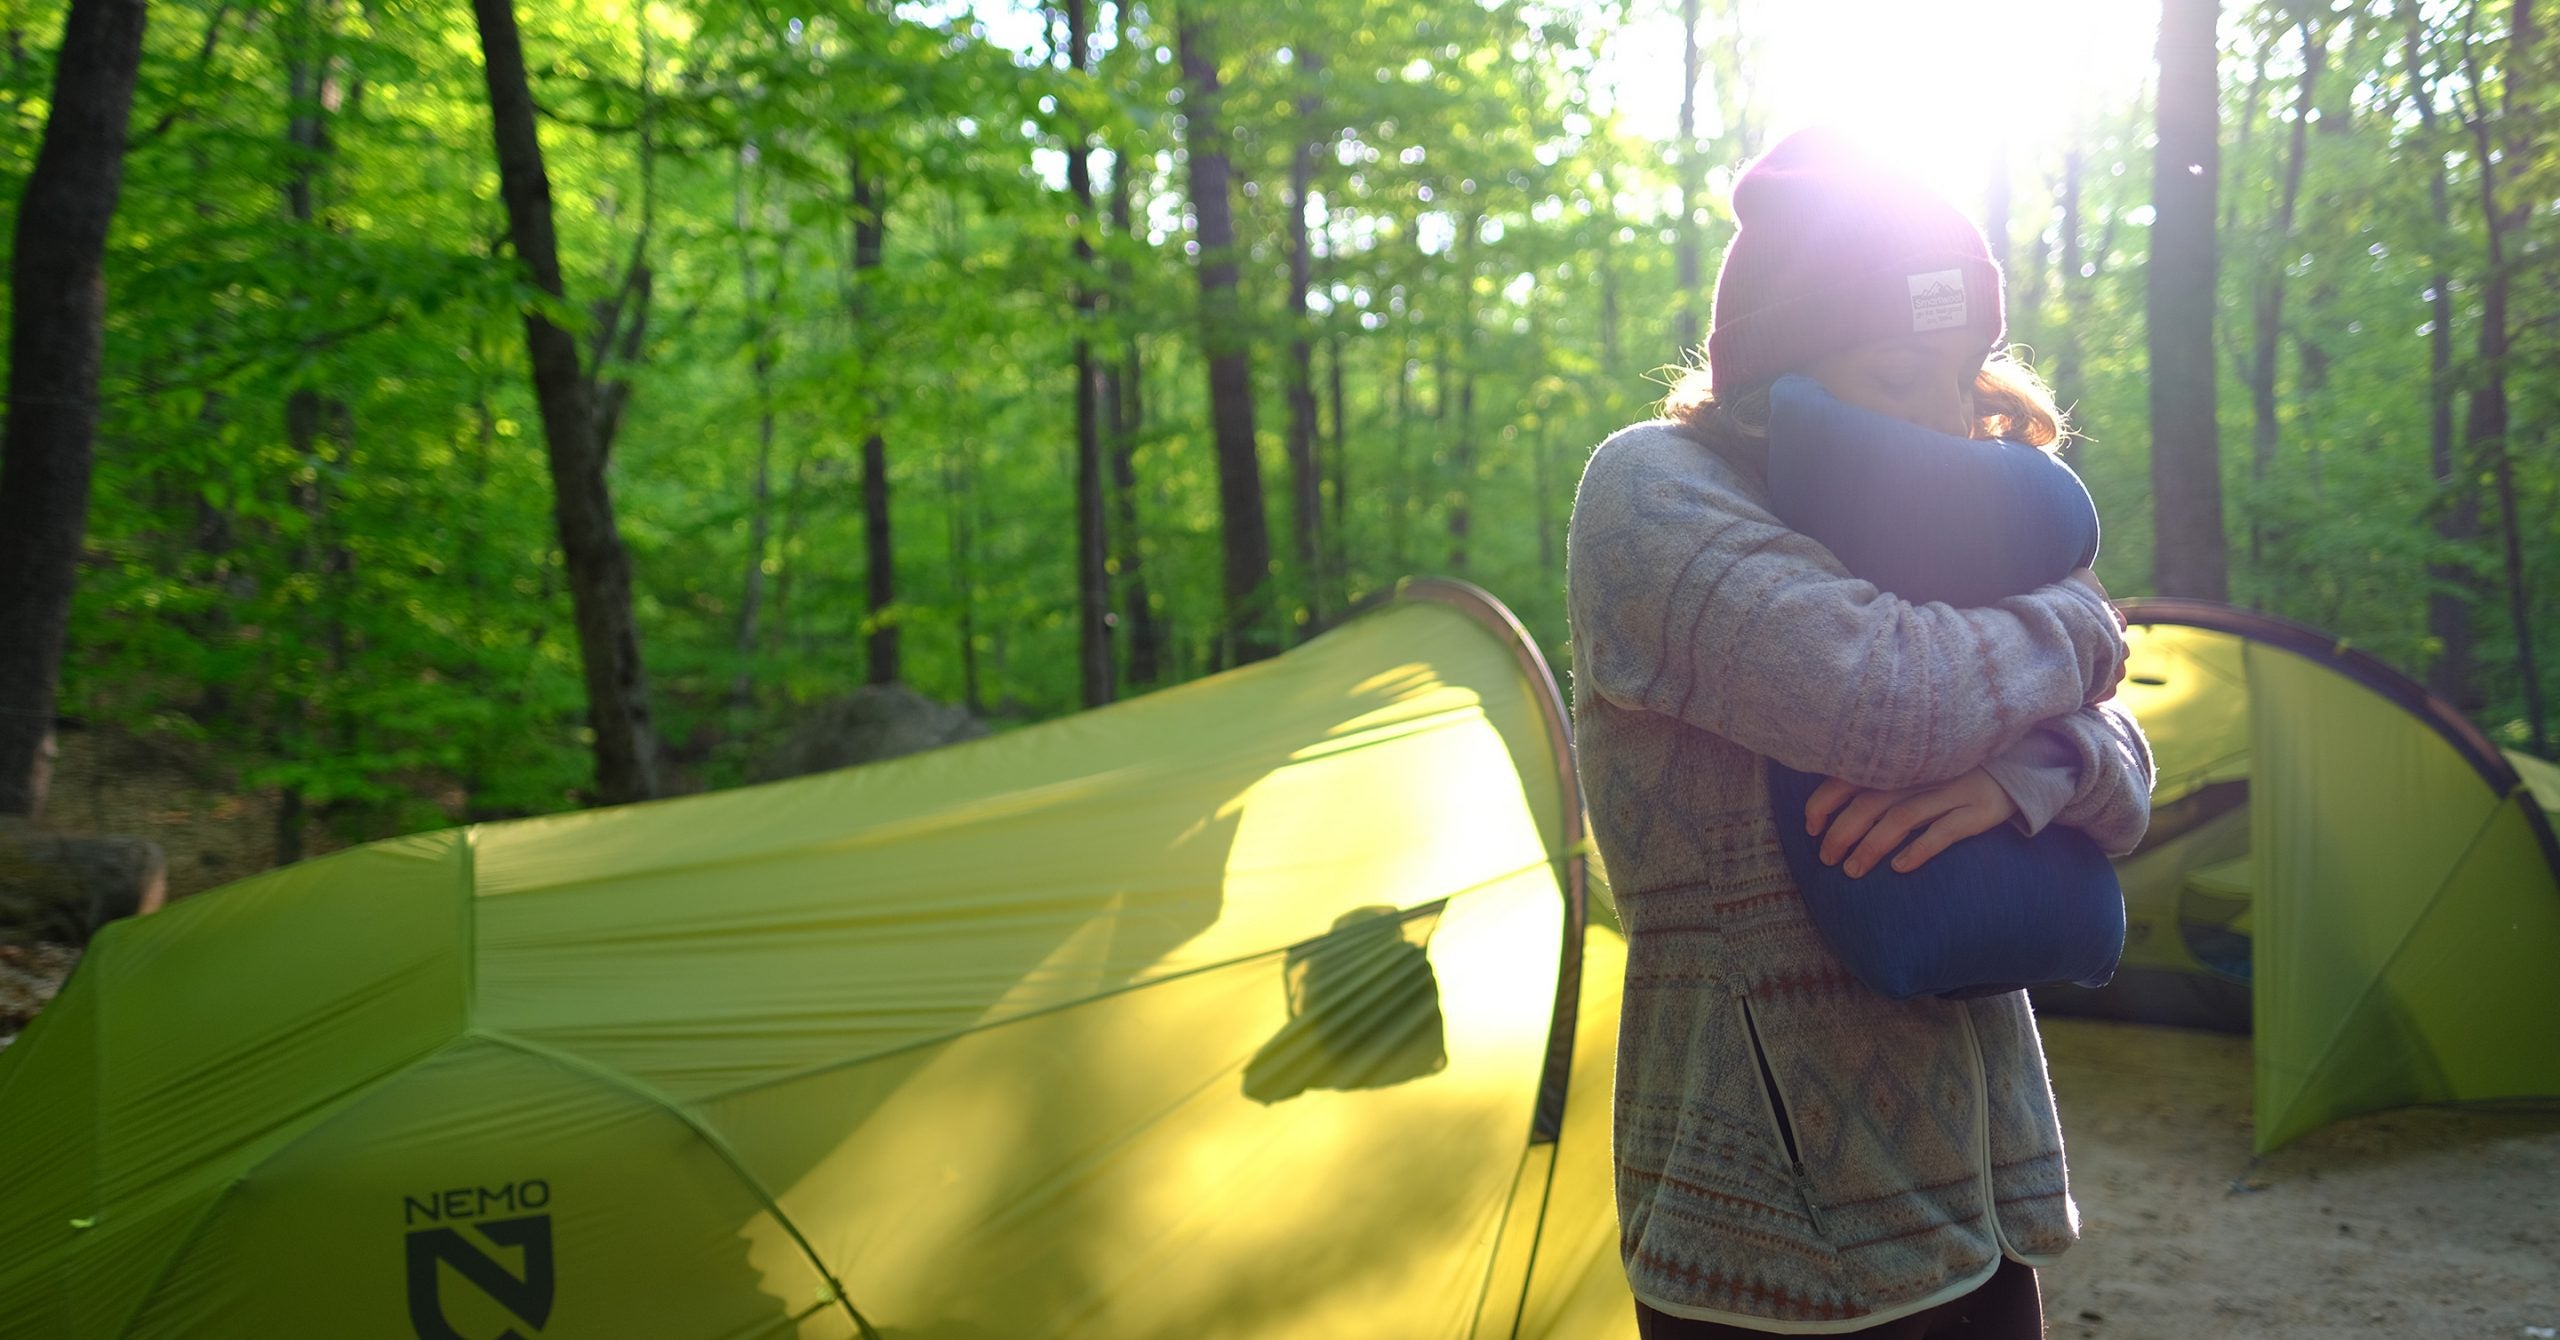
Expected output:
(1923, 379)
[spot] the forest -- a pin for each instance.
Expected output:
(437, 413)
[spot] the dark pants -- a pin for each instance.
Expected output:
(2006, 1307)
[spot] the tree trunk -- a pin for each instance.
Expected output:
(1691, 168)
(2267, 302)
(57, 331)
(870, 235)
(2248, 124)
(2452, 589)
(1125, 393)
(213, 533)
(1605, 231)
(622, 321)
(1248, 635)
(1542, 469)
(1462, 447)
(314, 425)
(1399, 494)
(786, 548)
(2189, 555)
(2070, 382)
(1440, 396)
(1093, 571)
(1146, 632)
(1995, 204)
(1306, 486)
(2520, 605)
(582, 506)
(1337, 562)
(759, 333)
(478, 449)
(959, 489)
(306, 135)
(879, 564)
(2485, 428)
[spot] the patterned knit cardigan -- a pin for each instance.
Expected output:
(1794, 1152)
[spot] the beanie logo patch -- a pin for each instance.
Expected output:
(1937, 300)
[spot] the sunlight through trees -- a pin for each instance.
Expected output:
(1039, 355)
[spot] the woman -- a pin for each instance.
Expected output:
(1796, 1153)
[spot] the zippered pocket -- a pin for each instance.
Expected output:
(1776, 1101)
(1982, 1144)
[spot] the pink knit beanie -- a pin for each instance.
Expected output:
(1837, 247)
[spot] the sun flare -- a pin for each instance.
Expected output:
(1943, 85)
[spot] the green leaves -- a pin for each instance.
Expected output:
(367, 608)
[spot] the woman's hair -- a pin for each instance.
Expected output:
(2009, 400)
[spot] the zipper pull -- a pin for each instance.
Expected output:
(1804, 1192)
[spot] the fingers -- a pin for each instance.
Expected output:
(1825, 801)
(1895, 824)
(2112, 685)
(1847, 828)
(1872, 824)
(1953, 827)
(2110, 690)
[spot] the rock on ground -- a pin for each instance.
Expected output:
(29, 977)
(872, 723)
(63, 887)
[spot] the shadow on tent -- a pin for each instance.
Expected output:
(2339, 864)
(1265, 1005)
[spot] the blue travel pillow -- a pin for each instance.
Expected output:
(1968, 522)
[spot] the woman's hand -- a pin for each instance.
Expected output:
(1862, 827)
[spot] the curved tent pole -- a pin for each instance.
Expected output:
(1547, 1122)
(2365, 669)
(649, 1095)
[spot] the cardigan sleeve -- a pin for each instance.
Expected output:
(2040, 774)
(1689, 598)
(2113, 767)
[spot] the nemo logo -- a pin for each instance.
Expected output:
(524, 1289)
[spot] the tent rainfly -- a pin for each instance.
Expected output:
(1278, 1004)
(1261, 1006)
(2339, 862)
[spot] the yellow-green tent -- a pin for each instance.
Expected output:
(1265, 1006)
(2339, 862)
(1273, 1005)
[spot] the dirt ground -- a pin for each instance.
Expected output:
(2422, 1223)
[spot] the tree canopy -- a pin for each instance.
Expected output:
(913, 346)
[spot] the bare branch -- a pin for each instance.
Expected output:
(609, 313)
(204, 60)
(585, 123)
(223, 372)
(613, 394)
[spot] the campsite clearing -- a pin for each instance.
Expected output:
(2421, 1222)
(1018, 1009)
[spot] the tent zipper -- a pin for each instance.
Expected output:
(1777, 1102)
